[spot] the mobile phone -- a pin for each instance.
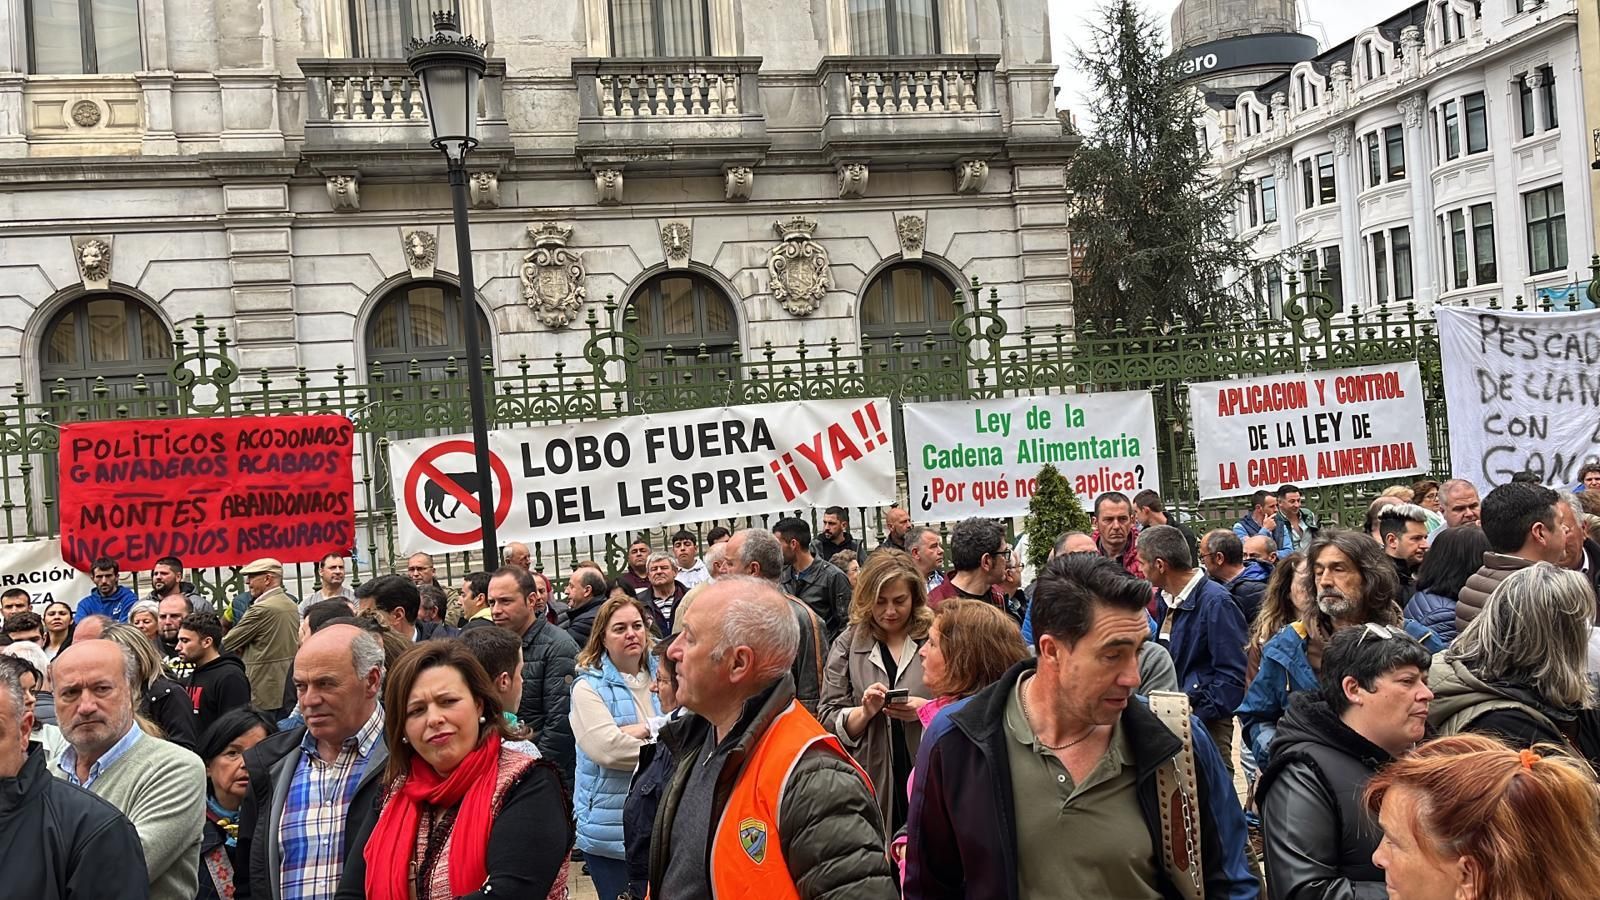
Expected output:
(898, 696)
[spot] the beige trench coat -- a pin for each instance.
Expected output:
(854, 663)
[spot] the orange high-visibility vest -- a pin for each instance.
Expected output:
(746, 855)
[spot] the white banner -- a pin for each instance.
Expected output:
(981, 457)
(1308, 429)
(1523, 393)
(634, 472)
(37, 567)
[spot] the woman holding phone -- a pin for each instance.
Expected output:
(872, 685)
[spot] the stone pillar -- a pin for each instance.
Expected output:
(1351, 263)
(1424, 242)
(257, 218)
(1045, 245)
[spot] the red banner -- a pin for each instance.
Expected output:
(212, 492)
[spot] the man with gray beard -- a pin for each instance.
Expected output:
(1353, 583)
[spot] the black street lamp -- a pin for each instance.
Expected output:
(450, 66)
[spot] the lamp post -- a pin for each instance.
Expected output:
(450, 66)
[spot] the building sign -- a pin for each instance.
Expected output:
(1248, 51)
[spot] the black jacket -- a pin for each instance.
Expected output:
(216, 687)
(266, 763)
(829, 827)
(63, 843)
(1318, 835)
(824, 588)
(212, 837)
(962, 827)
(549, 660)
(580, 620)
(167, 704)
(650, 780)
(436, 631)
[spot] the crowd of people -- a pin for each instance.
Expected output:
(1409, 704)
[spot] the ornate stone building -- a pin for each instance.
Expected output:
(1439, 156)
(733, 172)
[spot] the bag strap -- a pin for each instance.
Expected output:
(1178, 798)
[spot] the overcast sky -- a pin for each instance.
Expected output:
(1330, 21)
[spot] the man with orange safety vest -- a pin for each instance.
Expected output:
(763, 801)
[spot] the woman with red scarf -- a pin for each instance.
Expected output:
(465, 815)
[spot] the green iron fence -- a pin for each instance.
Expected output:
(980, 358)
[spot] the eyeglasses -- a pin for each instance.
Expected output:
(1381, 632)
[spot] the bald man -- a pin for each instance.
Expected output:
(733, 660)
(159, 786)
(338, 754)
(517, 554)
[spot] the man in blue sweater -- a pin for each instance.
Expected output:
(110, 598)
(1203, 628)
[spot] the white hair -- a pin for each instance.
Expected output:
(657, 556)
(759, 618)
(714, 555)
(366, 654)
(35, 655)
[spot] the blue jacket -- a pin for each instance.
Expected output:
(600, 793)
(1207, 646)
(1435, 612)
(117, 606)
(962, 839)
(1275, 528)
(1284, 670)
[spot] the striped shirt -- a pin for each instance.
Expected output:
(311, 831)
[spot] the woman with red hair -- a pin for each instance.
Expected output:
(1469, 817)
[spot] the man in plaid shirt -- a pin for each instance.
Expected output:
(314, 785)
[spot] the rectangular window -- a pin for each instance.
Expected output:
(1458, 249)
(1547, 94)
(1275, 290)
(661, 28)
(1483, 243)
(1473, 108)
(1400, 249)
(1380, 267)
(1330, 266)
(1374, 169)
(83, 37)
(1366, 60)
(894, 27)
(1444, 23)
(1269, 199)
(1252, 204)
(1308, 185)
(1394, 151)
(1326, 189)
(1547, 229)
(1452, 129)
(1525, 105)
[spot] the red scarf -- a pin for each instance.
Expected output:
(394, 838)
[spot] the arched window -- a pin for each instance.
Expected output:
(420, 322)
(110, 337)
(909, 303)
(674, 315)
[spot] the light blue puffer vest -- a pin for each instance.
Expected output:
(601, 792)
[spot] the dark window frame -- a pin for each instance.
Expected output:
(1450, 118)
(1404, 288)
(1380, 267)
(1475, 114)
(654, 342)
(1327, 184)
(1552, 224)
(892, 34)
(1484, 265)
(1394, 152)
(1269, 199)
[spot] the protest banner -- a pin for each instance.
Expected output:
(981, 457)
(37, 567)
(212, 492)
(636, 472)
(1308, 429)
(1522, 390)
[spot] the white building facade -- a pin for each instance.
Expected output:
(265, 164)
(1437, 157)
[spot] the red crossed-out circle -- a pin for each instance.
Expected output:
(426, 466)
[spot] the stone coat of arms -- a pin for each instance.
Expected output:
(553, 276)
(798, 266)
